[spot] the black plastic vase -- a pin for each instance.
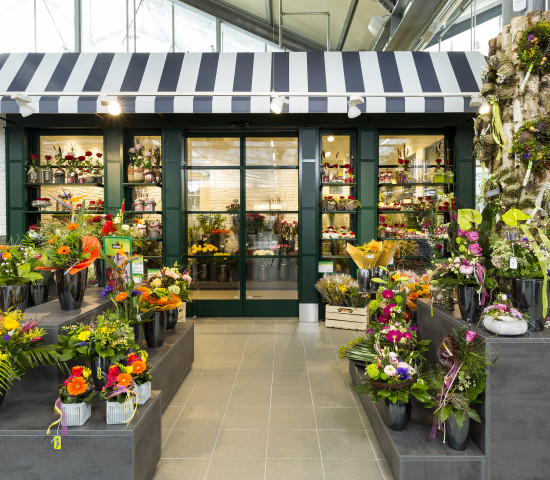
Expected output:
(468, 303)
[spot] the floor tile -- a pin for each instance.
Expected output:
(386, 470)
(290, 418)
(328, 381)
(294, 469)
(352, 469)
(253, 380)
(289, 367)
(200, 418)
(246, 418)
(190, 444)
(175, 469)
(263, 366)
(241, 444)
(169, 417)
(250, 397)
(289, 355)
(321, 355)
(290, 380)
(209, 397)
(324, 367)
(332, 398)
(216, 380)
(222, 367)
(291, 397)
(181, 396)
(378, 452)
(293, 444)
(235, 469)
(345, 444)
(338, 418)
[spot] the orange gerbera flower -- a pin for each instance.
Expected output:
(124, 379)
(6, 255)
(121, 296)
(139, 367)
(77, 386)
(51, 240)
(72, 226)
(63, 250)
(413, 295)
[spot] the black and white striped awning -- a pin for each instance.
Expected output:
(314, 82)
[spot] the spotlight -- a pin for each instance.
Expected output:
(484, 109)
(328, 154)
(330, 138)
(111, 103)
(376, 24)
(353, 109)
(476, 101)
(23, 101)
(277, 103)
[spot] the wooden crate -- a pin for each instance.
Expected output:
(346, 317)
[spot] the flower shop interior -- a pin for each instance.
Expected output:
(247, 240)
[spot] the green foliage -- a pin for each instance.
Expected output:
(532, 143)
(533, 47)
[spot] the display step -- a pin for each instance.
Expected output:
(411, 454)
(95, 450)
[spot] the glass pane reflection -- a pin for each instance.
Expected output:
(272, 233)
(274, 152)
(215, 278)
(272, 279)
(208, 234)
(214, 152)
(213, 190)
(271, 189)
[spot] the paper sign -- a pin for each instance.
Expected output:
(138, 267)
(513, 263)
(325, 267)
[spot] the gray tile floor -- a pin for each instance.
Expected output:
(268, 399)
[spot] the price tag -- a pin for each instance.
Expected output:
(513, 263)
(99, 372)
(369, 256)
(57, 442)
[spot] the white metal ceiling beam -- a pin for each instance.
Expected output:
(347, 24)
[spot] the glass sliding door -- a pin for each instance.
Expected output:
(241, 200)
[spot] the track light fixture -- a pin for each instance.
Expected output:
(23, 102)
(277, 103)
(113, 107)
(476, 101)
(353, 109)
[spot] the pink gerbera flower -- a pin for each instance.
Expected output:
(388, 294)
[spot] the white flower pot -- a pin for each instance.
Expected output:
(119, 412)
(76, 414)
(504, 326)
(143, 392)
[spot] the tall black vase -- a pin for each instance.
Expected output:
(457, 438)
(155, 330)
(14, 296)
(397, 415)
(527, 292)
(171, 319)
(99, 267)
(100, 368)
(38, 293)
(71, 288)
(468, 303)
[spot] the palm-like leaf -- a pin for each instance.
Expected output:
(7, 375)
(40, 355)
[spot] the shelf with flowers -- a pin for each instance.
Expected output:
(144, 165)
(22, 349)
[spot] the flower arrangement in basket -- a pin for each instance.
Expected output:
(341, 289)
(21, 348)
(138, 368)
(503, 319)
(174, 281)
(119, 395)
(328, 203)
(74, 402)
(157, 298)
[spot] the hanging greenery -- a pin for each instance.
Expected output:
(532, 144)
(534, 48)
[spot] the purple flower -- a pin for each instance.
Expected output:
(106, 292)
(413, 329)
(136, 293)
(388, 308)
(383, 318)
(472, 236)
(475, 249)
(461, 233)
(370, 331)
(530, 37)
(80, 344)
(403, 373)
(526, 156)
(7, 337)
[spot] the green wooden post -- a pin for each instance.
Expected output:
(367, 184)
(465, 167)
(172, 199)
(16, 154)
(308, 224)
(114, 161)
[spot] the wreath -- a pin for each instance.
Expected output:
(532, 144)
(534, 48)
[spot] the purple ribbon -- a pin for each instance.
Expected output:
(481, 275)
(449, 378)
(59, 405)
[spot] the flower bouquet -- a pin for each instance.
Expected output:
(138, 368)
(21, 348)
(119, 395)
(340, 289)
(365, 256)
(503, 319)
(75, 397)
(176, 282)
(158, 298)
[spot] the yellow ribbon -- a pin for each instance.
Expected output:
(60, 413)
(542, 262)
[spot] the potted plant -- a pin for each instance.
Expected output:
(149, 173)
(33, 169)
(138, 367)
(456, 385)
(119, 395)
(136, 160)
(69, 252)
(17, 264)
(47, 173)
(329, 204)
(75, 398)
(104, 341)
(21, 348)
(503, 319)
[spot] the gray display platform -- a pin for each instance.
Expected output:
(95, 450)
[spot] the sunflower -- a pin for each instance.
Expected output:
(63, 250)
(139, 367)
(124, 379)
(6, 255)
(121, 296)
(77, 386)
(72, 226)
